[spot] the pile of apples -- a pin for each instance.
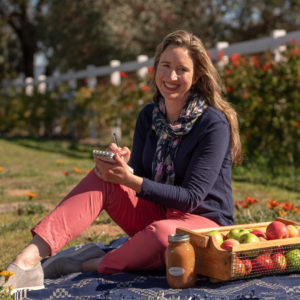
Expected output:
(264, 260)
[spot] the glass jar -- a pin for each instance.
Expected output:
(180, 262)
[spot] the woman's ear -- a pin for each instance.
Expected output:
(195, 79)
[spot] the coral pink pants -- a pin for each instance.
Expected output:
(147, 224)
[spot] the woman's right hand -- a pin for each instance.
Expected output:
(123, 152)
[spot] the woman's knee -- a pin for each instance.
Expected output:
(161, 230)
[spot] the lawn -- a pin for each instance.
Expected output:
(36, 174)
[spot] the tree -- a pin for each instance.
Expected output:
(23, 19)
(9, 56)
(252, 19)
(74, 34)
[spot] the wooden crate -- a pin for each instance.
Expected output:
(219, 265)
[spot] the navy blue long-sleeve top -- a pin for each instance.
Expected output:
(202, 167)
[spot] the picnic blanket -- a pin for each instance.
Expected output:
(153, 286)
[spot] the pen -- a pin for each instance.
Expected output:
(116, 142)
(115, 138)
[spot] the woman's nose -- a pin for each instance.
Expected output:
(173, 75)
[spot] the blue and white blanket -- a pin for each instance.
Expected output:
(153, 286)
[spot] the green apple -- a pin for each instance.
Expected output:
(293, 259)
(235, 233)
(218, 235)
(248, 238)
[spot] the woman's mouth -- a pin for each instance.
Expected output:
(170, 86)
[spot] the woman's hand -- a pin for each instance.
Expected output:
(117, 172)
(124, 152)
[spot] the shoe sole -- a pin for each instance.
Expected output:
(32, 288)
(69, 255)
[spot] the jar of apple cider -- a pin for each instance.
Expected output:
(180, 262)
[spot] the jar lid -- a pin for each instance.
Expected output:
(178, 237)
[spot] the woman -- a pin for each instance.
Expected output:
(183, 148)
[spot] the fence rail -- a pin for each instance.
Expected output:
(276, 43)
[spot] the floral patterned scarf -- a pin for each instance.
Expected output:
(169, 135)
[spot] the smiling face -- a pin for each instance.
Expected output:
(175, 74)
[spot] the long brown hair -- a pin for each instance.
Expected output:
(208, 82)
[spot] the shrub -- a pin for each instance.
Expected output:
(266, 95)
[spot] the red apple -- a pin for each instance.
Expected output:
(277, 230)
(262, 264)
(293, 231)
(279, 249)
(229, 243)
(267, 251)
(259, 233)
(225, 236)
(239, 268)
(279, 261)
(248, 266)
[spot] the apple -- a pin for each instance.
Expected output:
(239, 268)
(235, 233)
(293, 231)
(279, 261)
(262, 264)
(268, 251)
(293, 259)
(259, 233)
(279, 249)
(217, 235)
(229, 243)
(277, 230)
(248, 238)
(225, 236)
(248, 265)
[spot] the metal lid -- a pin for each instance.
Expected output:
(178, 237)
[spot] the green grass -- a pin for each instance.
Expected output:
(30, 165)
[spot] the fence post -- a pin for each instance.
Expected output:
(72, 82)
(29, 86)
(115, 77)
(142, 72)
(92, 81)
(277, 33)
(222, 61)
(52, 82)
(20, 82)
(42, 86)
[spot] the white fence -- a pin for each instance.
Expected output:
(276, 43)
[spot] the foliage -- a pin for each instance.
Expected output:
(6, 293)
(250, 210)
(264, 92)
(77, 113)
(266, 96)
(34, 114)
